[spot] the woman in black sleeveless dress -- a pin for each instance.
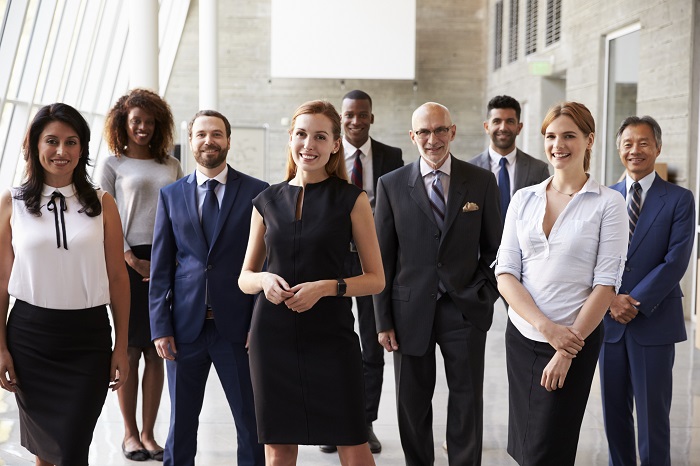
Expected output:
(305, 358)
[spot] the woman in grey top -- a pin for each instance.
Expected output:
(139, 132)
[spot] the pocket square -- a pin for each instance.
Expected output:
(470, 207)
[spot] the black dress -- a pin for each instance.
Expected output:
(306, 367)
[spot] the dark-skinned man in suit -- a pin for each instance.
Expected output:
(366, 159)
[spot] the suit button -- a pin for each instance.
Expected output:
(628, 269)
(437, 235)
(433, 295)
(439, 264)
(209, 267)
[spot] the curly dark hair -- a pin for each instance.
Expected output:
(115, 125)
(30, 190)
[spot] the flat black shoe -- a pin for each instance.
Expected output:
(328, 448)
(374, 445)
(155, 454)
(136, 455)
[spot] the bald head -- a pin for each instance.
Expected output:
(432, 133)
(430, 108)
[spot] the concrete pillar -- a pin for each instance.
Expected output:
(208, 56)
(142, 52)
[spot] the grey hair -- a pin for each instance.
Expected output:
(635, 120)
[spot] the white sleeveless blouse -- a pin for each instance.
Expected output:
(55, 277)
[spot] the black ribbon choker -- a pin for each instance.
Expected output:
(51, 206)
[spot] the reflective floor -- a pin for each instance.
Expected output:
(217, 436)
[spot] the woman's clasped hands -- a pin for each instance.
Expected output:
(299, 298)
(568, 341)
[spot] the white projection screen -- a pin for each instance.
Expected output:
(350, 39)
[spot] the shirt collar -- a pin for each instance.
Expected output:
(350, 149)
(446, 167)
(591, 186)
(67, 191)
(221, 177)
(496, 157)
(645, 182)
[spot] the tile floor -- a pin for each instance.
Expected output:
(217, 432)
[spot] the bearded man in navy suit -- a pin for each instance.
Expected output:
(199, 316)
(646, 317)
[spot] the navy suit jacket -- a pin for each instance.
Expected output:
(656, 261)
(528, 170)
(416, 255)
(181, 262)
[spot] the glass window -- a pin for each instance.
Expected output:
(498, 36)
(622, 78)
(531, 27)
(513, 31)
(553, 31)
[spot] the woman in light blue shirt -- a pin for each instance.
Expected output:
(559, 266)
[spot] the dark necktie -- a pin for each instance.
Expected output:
(504, 187)
(210, 211)
(356, 175)
(437, 202)
(437, 199)
(634, 205)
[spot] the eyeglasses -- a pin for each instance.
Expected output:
(439, 132)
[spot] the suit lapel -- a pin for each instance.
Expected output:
(417, 189)
(233, 184)
(189, 193)
(457, 192)
(376, 163)
(653, 204)
(522, 168)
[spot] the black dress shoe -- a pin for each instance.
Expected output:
(374, 445)
(328, 448)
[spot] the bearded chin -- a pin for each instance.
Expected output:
(211, 162)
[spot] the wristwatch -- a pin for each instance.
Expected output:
(342, 287)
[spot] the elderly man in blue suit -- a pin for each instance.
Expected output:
(646, 317)
(199, 316)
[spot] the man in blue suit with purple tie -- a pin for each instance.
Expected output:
(199, 316)
(646, 317)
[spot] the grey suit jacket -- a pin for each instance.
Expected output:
(416, 255)
(528, 170)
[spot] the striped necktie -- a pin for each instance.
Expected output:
(437, 202)
(634, 206)
(437, 199)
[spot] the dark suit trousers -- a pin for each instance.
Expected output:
(462, 346)
(187, 378)
(644, 373)
(372, 351)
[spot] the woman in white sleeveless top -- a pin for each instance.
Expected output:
(61, 258)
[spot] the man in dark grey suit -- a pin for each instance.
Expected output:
(439, 227)
(366, 160)
(503, 125)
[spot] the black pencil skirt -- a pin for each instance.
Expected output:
(139, 319)
(62, 361)
(544, 427)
